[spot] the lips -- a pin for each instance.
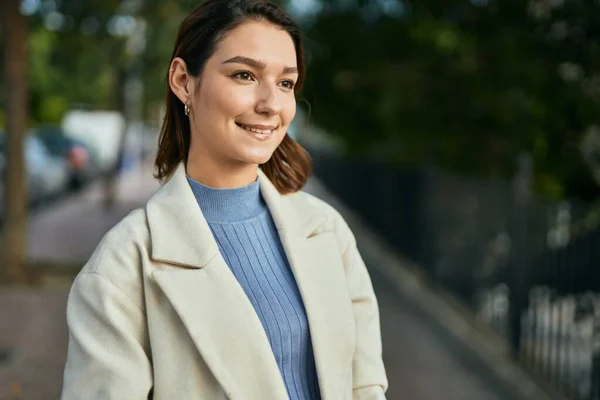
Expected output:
(260, 129)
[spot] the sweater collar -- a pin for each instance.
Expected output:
(229, 205)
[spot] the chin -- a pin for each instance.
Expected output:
(259, 160)
(257, 156)
(254, 160)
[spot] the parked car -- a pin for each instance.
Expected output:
(46, 175)
(81, 161)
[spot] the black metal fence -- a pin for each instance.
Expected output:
(527, 268)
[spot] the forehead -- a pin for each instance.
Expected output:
(258, 40)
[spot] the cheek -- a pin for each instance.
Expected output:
(225, 102)
(289, 110)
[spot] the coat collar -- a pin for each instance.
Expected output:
(174, 213)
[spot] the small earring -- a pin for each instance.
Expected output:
(186, 108)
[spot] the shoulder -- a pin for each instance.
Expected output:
(119, 255)
(319, 204)
(128, 232)
(333, 220)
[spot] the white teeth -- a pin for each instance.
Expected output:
(261, 131)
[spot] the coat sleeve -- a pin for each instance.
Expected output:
(108, 353)
(369, 376)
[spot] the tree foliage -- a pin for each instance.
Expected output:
(79, 52)
(468, 83)
(471, 83)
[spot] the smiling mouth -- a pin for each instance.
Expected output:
(256, 130)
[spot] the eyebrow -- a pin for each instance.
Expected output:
(257, 64)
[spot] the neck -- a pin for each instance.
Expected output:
(221, 176)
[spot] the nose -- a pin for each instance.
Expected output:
(268, 103)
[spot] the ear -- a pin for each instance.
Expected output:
(180, 80)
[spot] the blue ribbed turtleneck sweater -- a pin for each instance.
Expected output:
(248, 240)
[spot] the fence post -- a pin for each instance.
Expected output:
(517, 275)
(595, 372)
(428, 243)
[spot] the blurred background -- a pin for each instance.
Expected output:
(463, 135)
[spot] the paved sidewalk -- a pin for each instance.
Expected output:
(67, 233)
(34, 332)
(421, 364)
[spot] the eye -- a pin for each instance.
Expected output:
(243, 76)
(288, 84)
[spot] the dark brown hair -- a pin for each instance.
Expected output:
(199, 34)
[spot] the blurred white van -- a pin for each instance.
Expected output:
(101, 131)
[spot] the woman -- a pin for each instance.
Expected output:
(231, 282)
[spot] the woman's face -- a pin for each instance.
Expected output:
(243, 101)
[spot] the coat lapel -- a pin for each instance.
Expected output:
(217, 313)
(317, 265)
(207, 297)
(322, 284)
(224, 327)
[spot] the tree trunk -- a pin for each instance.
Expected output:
(112, 175)
(128, 92)
(14, 239)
